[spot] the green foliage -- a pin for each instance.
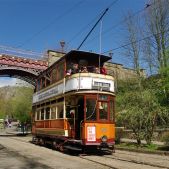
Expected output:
(119, 134)
(150, 147)
(166, 139)
(140, 109)
(16, 102)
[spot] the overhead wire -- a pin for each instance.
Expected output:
(150, 36)
(83, 29)
(12, 50)
(50, 23)
(139, 40)
(105, 11)
(122, 21)
(98, 16)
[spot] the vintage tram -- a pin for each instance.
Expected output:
(73, 106)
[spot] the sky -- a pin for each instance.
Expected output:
(39, 25)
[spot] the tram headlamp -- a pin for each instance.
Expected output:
(104, 138)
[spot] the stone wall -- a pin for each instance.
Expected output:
(53, 56)
(122, 73)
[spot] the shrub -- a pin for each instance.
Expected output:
(165, 138)
(118, 134)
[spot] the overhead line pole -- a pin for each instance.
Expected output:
(93, 28)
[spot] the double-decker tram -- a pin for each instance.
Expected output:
(73, 104)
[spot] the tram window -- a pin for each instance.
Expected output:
(103, 110)
(53, 112)
(47, 115)
(38, 85)
(111, 110)
(54, 75)
(43, 82)
(68, 115)
(53, 101)
(42, 114)
(60, 111)
(37, 114)
(103, 97)
(70, 112)
(47, 82)
(60, 70)
(90, 109)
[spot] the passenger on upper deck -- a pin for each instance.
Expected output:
(68, 72)
(103, 71)
(75, 68)
(84, 70)
(96, 70)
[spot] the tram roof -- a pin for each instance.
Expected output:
(76, 54)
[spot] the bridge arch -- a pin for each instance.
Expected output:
(20, 73)
(21, 68)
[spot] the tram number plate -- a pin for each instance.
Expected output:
(91, 133)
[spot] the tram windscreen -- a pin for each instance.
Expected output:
(91, 109)
(103, 110)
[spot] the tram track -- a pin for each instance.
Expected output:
(137, 162)
(128, 153)
(101, 158)
(103, 164)
(121, 159)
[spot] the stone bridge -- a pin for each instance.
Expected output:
(22, 68)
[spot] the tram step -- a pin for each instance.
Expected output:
(73, 148)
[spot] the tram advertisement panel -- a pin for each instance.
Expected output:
(91, 133)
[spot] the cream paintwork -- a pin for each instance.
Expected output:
(76, 82)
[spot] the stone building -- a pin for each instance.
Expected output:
(122, 73)
(53, 56)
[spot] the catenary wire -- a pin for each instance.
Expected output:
(121, 22)
(100, 18)
(83, 29)
(122, 46)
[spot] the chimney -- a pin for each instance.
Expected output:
(62, 44)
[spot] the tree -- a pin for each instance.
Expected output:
(140, 109)
(16, 102)
(157, 18)
(23, 104)
(132, 35)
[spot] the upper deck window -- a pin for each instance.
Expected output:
(38, 86)
(60, 71)
(43, 82)
(54, 75)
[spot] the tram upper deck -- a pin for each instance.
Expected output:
(62, 77)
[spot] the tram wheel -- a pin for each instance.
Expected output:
(61, 148)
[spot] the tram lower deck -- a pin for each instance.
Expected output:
(88, 121)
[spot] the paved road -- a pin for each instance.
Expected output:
(12, 160)
(19, 153)
(43, 156)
